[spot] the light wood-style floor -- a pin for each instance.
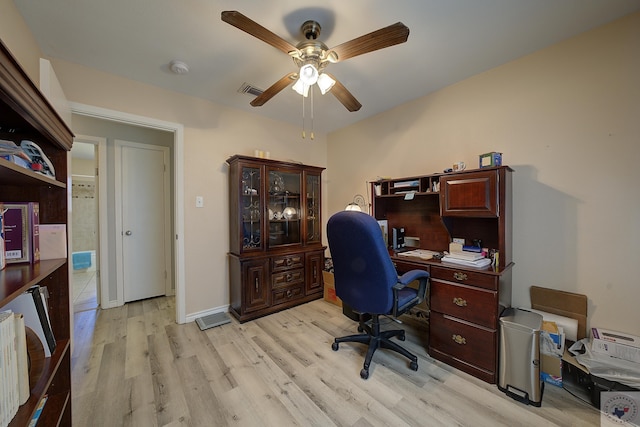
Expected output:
(134, 366)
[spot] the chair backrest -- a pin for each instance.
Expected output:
(363, 271)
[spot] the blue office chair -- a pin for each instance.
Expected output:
(367, 282)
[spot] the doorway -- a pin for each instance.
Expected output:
(85, 235)
(118, 125)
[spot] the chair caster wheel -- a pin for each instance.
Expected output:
(364, 374)
(360, 328)
(334, 346)
(401, 337)
(413, 366)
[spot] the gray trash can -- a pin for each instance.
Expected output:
(519, 371)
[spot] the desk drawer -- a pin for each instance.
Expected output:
(287, 262)
(463, 341)
(465, 302)
(404, 266)
(287, 294)
(467, 277)
(287, 278)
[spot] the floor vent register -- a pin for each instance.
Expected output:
(212, 320)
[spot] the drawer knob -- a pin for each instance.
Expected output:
(459, 339)
(460, 276)
(460, 302)
(289, 294)
(289, 277)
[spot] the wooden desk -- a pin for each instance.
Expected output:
(465, 303)
(465, 306)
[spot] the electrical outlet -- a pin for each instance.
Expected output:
(458, 240)
(199, 202)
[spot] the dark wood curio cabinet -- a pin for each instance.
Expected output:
(25, 114)
(275, 243)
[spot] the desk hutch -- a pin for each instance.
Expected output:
(26, 114)
(276, 255)
(465, 303)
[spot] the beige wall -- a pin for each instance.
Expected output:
(15, 34)
(567, 119)
(211, 134)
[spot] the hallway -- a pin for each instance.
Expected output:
(85, 295)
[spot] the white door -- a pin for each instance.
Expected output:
(144, 226)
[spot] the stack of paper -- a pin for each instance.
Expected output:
(482, 262)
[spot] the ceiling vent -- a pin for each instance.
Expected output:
(249, 89)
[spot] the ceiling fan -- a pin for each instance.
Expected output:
(312, 56)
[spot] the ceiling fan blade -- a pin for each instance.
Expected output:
(344, 96)
(249, 26)
(273, 90)
(384, 37)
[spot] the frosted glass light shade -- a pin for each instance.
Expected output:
(325, 83)
(301, 88)
(308, 74)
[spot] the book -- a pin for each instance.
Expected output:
(9, 400)
(3, 261)
(22, 232)
(38, 412)
(469, 256)
(33, 306)
(23, 359)
(481, 263)
(53, 241)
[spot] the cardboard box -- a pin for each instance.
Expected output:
(615, 344)
(330, 289)
(551, 349)
(561, 303)
(551, 369)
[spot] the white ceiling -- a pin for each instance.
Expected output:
(449, 41)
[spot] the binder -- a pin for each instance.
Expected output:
(32, 305)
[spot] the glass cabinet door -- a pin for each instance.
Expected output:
(284, 208)
(312, 214)
(251, 208)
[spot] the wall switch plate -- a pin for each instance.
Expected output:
(199, 202)
(458, 240)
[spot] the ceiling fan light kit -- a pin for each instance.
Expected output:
(312, 56)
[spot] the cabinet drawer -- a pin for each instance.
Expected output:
(463, 341)
(467, 277)
(288, 294)
(465, 302)
(287, 278)
(287, 262)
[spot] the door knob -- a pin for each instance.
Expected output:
(128, 232)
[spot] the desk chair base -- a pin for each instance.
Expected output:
(376, 339)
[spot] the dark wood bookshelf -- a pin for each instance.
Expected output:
(25, 114)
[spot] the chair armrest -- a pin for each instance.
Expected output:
(408, 277)
(412, 275)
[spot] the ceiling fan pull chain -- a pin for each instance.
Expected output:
(303, 117)
(312, 113)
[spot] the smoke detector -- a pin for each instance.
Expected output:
(178, 67)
